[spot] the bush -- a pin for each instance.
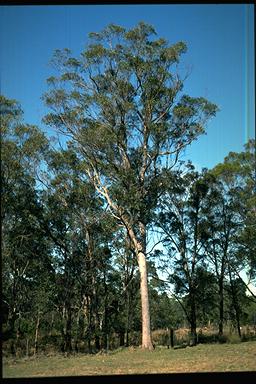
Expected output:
(207, 339)
(222, 339)
(216, 338)
(233, 339)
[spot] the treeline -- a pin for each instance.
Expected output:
(105, 231)
(69, 274)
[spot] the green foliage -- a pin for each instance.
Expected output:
(118, 104)
(25, 250)
(166, 312)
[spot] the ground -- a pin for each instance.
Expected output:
(202, 358)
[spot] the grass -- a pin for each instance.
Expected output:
(202, 358)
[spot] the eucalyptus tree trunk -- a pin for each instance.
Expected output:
(193, 340)
(221, 307)
(140, 250)
(68, 337)
(105, 315)
(92, 296)
(66, 331)
(36, 334)
(146, 333)
(221, 276)
(78, 333)
(52, 324)
(127, 326)
(235, 302)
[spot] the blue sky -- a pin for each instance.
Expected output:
(220, 57)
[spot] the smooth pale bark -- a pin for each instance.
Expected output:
(146, 333)
(139, 246)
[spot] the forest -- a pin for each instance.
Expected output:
(109, 238)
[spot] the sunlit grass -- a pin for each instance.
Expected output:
(202, 358)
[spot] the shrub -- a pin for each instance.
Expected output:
(207, 339)
(222, 339)
(233, 339)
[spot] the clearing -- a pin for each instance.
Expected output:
(202, 358)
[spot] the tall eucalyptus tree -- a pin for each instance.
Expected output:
(120, 101)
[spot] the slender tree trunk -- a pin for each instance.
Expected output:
(127, 338)
(97, 342)
(235, 302)
(94, 321)
(221, 306)
(68, 336)
(238, 322)
(36, 334)
(121, 338)
(105, 330)
(97, 330)
(67, 322)
(127, 318)
(12, 347)
(193, 340)
(63, 330)
(11, 323)
(89, 316)
(52, 323)
(78, 331)
(18, 336)
(129, 298)
(89, 345)
(106, 315)
(27, 347)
